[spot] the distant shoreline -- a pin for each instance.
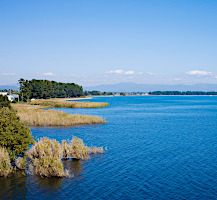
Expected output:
(135, 96)
(182, 95)
(71, 98)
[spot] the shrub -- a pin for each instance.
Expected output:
(45, 158)
(5, 165)
(75, 149)
(14, 135)
(20, 163)
(4, 102)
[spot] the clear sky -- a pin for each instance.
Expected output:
(92, 42)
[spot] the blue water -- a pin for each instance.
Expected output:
(158, 148)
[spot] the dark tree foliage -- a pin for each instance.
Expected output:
(4, 102)
(96, 93)
(44, 89)
(14, 135)
(92, 93)
(108, 93)
(123, 94)
(182, 93)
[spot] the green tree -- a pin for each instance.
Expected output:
(44, 89)
(14, 135)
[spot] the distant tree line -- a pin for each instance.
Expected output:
(181, 93)
(5, 90)
(10, 91)
(96, 93)
(44, 89)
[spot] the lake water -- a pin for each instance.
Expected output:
(159, 147)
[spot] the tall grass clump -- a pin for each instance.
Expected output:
(5, 164)
(44, 158)
(69, 104)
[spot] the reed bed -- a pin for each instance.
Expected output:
(45, 156)
(69, 104)
(33, 116)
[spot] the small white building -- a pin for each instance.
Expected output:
(12, 97)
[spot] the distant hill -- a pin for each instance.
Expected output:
(134, 87)
(7, 87)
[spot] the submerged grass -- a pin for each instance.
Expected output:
(34, 116)
(76, 149)
(69, 104)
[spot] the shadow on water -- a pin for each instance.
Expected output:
(74, 166)
(13, 186)
(22, 186)
(49, 184)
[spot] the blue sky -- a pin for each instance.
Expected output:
(92, 42)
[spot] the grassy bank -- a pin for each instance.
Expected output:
(68, 104)
(32, 115)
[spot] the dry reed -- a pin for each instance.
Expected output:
(96, 150)
(5, 165)
(75, 149)
(37, 117)
(20, 163)
(44, 158)
(69, 104)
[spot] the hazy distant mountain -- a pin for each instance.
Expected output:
(134, 87)
(7, 87)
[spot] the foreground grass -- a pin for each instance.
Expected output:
(69, 104)
(32, 115)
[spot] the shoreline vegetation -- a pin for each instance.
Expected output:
(36, 116)
(45, 156)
